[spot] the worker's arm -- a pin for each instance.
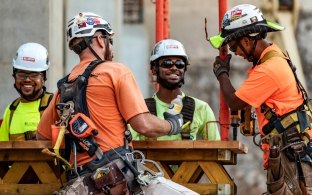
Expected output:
(151, 126)
(221, 69)
(228, 92)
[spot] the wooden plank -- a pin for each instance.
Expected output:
(44, 172)
(234, 146)
(211, 189)
(185, 172)
(180, 155)
(28, 189)
(5, 145)
(23, 155)
(25, 144)
(163, 144)
(215, 173)
(31, 144)
(16, 172)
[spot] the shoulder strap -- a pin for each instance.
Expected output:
(13, 107)
(90, 68)
(271, 54)
(151, 105)
(188, 109)
(187, 112)
(44, 102)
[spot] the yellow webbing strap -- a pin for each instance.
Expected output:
(58, 143)
(271, 54)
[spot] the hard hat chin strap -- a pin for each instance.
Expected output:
(250, 55)
(86, 43)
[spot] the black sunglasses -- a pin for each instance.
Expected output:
(180, 64)
(233, 48)
(104, 36)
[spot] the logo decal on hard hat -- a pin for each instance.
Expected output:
(29, 59)
(236, 14)
(90, 21)
(254, 19)
(172, 47)
(82, 25)
(226, 21)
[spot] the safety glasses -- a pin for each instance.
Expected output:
(31, 76)
(180, 64)
(104, 36)
(233, 48)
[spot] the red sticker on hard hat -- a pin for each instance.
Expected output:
(29, 59)
(237, 13)
(172, 46)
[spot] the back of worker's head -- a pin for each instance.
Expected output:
(243, 20)
(31, 57)
(81, 29)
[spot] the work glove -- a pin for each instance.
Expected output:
(222, 66)
(176, 122)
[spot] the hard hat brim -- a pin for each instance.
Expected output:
(217, 41)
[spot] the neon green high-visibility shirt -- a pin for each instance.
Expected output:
(25, 118)
(203, 126)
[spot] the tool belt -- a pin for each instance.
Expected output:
(91, 166)
(107, 180)
(278, 124)
(292, 127)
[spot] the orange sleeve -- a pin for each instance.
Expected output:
(258, 87)
(129, 97)
(48, 118)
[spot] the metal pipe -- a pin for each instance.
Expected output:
(159, 20)
(166, 20)
(224, 113)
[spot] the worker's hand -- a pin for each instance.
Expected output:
(176, 122)
(222, 66)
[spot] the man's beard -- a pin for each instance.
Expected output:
(168, 85)
(36, 94)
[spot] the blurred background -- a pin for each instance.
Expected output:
(44, 22)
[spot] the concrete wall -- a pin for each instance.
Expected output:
(21, 22)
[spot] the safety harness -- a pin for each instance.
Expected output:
(291, 126)
(73, 96)
(74, 113)
(187, 112)
(45, 99)
(297, 117)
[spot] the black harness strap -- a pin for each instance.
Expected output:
(79, 88)
(187, 111)
(76, 91)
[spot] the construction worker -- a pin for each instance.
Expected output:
(103, 95)
(22, 116)
(274, 90)
(168, 64)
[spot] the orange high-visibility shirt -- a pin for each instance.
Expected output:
(272, 83)
(113, 97)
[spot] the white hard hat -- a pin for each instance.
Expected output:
(168, 47)
(85, 24)
(243, 20)
(31, 57)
